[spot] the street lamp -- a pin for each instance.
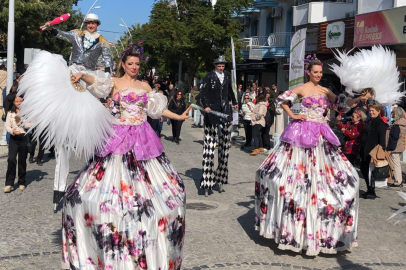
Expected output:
(115, 49)
(91, 8)
(125, 25)
(119, 40)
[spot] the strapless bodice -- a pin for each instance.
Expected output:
(129, 106)
(315, 107)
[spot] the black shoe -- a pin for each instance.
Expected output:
(31, 160)
(194, 126)
(370, 194)
(396, 186)
(177, 140)
(40, 162)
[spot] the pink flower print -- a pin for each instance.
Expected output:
(264, 208)
(350, 221)
(90, 261)
(99, 175)
(143, 262)
(133, 110)
(114, 190)
(114, 109)
(116, 97)
(132, 97)
(89, 219)
(329, 209)
(282, 191)
(314, 198)
(115, 238)
(165, 185)
(300, 213)
(163, 224)
(307, 102)
(171, 203)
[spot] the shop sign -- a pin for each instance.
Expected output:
(382, 27)
(255, 54)
(335, 34)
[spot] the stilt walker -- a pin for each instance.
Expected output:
(87, 47)
(216, 94)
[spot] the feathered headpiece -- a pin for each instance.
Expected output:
(374, 68)
(309, 59)
(137, 48)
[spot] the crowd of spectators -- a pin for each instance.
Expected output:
(258, 111)
(370, 132)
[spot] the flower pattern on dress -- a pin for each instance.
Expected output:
(126, 197)
(307, 197)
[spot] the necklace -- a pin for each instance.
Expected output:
(89, 39)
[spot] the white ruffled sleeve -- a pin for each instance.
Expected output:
(103, 83)
(156, 105)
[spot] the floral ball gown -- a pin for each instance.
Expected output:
(126, 208)
(306, 191)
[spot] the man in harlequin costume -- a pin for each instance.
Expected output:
(216, 95)
(87, 47)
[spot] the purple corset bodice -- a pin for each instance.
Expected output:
(307, 133)
(132, 132)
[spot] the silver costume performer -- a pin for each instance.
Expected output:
(86, 57)
(86, 49)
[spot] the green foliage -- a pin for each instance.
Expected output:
(29, 16)
(194, 32)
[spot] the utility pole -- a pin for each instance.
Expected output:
(10, 58)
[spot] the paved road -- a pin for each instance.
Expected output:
(219, 235)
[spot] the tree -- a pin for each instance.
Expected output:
(193, 32)
(29, 15)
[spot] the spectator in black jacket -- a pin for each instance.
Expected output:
(177, 105)
(373, 134)
(269, 120)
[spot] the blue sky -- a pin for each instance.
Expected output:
(132, 11)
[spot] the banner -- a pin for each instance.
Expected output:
(297, 54)
(234, 82)
(234, 71)
(383, 27)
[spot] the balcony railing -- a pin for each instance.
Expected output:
(280, 39)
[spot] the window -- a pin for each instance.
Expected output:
(254, 28)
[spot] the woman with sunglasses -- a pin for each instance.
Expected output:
(177, 105)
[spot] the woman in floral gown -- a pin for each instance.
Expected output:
(126, 208)
(306, 191)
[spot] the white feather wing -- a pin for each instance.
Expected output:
(374, 68)
(67, 117)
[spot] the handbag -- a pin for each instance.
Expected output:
(4, 116)
(381, 173)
